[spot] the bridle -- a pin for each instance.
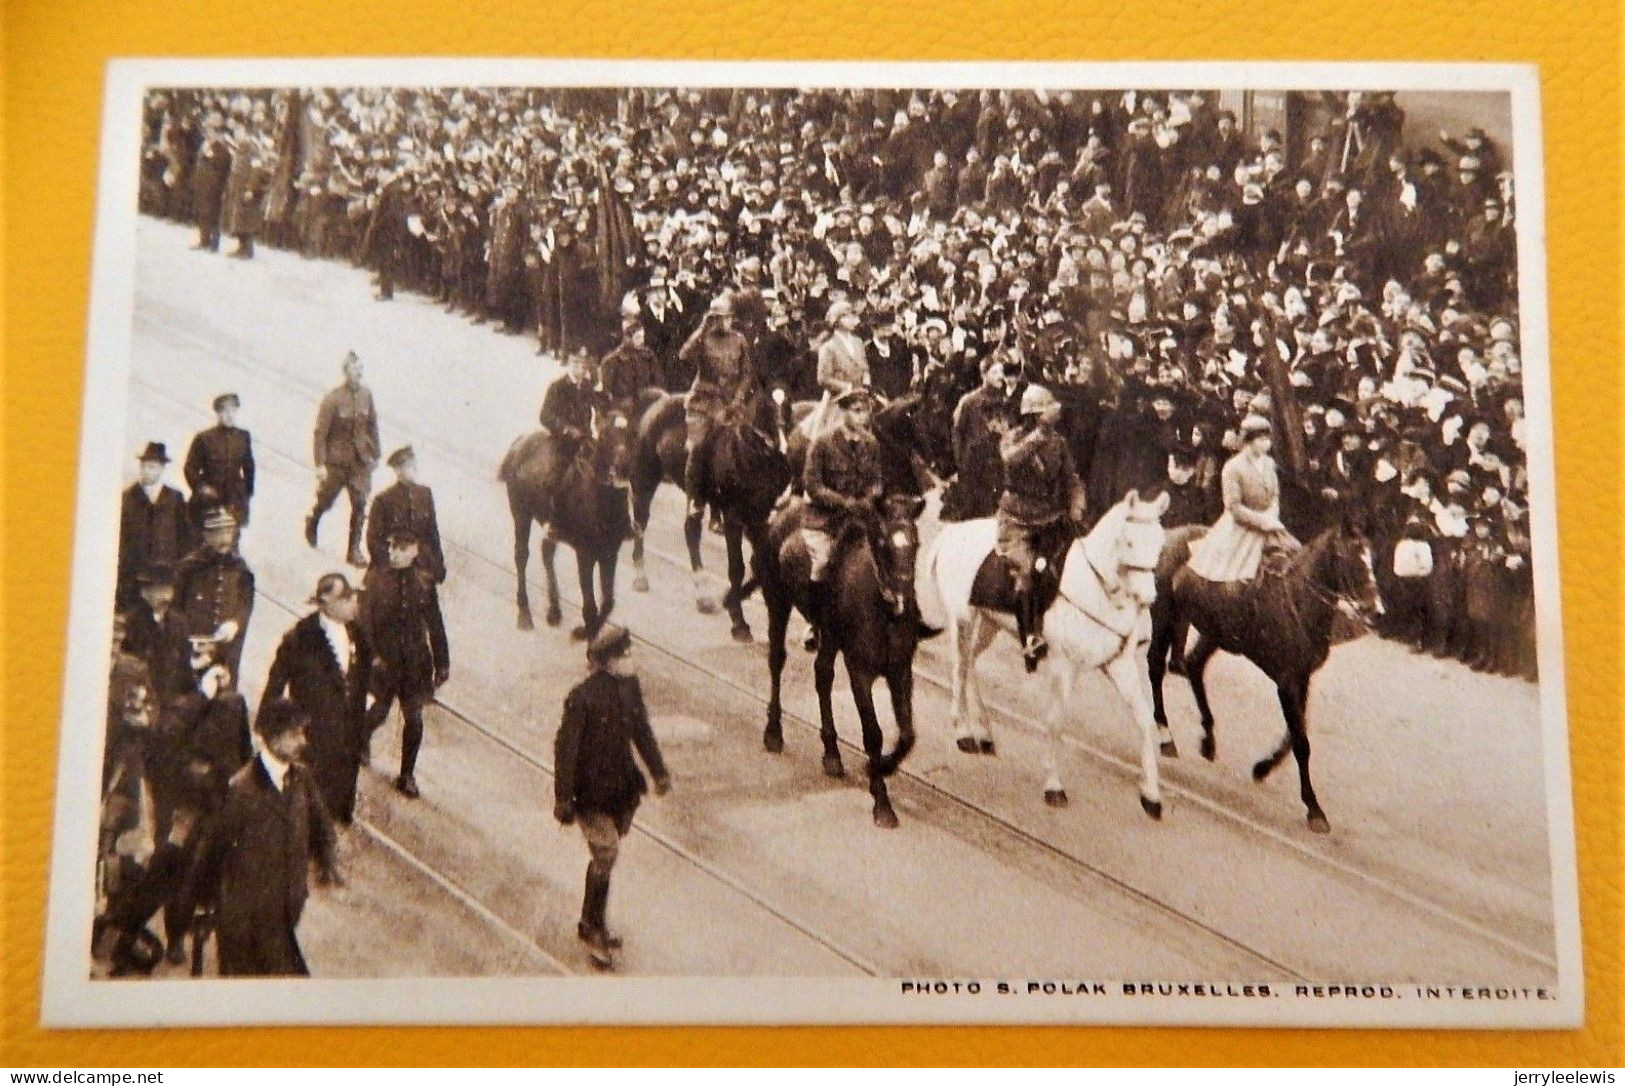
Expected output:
(1125, 637)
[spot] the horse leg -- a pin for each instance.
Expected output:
(590, 618)
(824, 681)
(981, 637)
(705, 602)
(1195, 665)
(606, 584)
(550, 547)
(1125, 676)
(1265, 766)
(1065, 679)
(863, 696)
(958, 653)
(1162, 628)
(733, 534)
(1299, 724)
(641, 503)
(521, 562)
(1181, 637)
(778, 625)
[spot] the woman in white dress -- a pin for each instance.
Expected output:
(1251, 521)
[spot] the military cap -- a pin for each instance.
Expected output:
(227, 398)
(401, 456)
(608, 643)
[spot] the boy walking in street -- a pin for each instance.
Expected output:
(597, 783)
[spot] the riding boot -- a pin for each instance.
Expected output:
(1033, 646)
(358, 521)
(693, 483)
(590, 929)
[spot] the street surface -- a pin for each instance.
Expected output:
(1436, 868)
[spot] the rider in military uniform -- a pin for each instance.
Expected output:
(1042, 493)
(214, 589)
(401, 612)
(724, 376)
(410, 505)
(220, 464)
(841, 480)
(628, 369)
(346, 450)
(567, 416)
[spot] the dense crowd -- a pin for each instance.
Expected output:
(1162, 270)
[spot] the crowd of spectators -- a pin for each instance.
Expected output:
(1163, 269)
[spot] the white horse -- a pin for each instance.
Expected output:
(1100, 619)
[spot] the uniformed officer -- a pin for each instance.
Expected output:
(219, 465)
(409, 505)
(412, 659)
(1042, 492)
(724, 376)
(215, 588)
(567, 417)
(346, 450)
(628, 369)
(597, 784)
(841, 480)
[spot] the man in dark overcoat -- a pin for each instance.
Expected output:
(401, 613)
(209, 173)
(406, 505)
(596, 782)
(154, 525)
(220, 464)
(215, 588)
(256, 854)
(324, 664)
(981, 415)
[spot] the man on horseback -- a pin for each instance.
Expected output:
(567, 416)
(841, 480)
(724, 376)
(1250, 525)
(1042, 493)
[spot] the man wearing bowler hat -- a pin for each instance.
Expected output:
(401, 613)
(345, 450)
(324, 664)
(220, 464)
(215, 588)
(154, 528)
(407, 505)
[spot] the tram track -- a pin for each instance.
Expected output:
(939, 801)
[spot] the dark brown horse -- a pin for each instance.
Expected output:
(745, 473)
(1282, 622)
(874, 625)
(587, 508)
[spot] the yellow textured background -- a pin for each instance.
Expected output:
(54, 53)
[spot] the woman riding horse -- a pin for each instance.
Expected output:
(1251, 522)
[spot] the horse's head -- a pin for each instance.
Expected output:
(898, 549)
(926, 426)
(1348, 572)
(610, 454)
(1126, 544)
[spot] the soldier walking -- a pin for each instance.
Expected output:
(407, 505)
(401, 613)
(346, 450)
(597, 784)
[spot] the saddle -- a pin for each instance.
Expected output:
(995, 586)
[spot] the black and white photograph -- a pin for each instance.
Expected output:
(650, 542)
